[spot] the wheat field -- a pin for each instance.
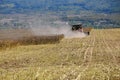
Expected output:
(95, 57)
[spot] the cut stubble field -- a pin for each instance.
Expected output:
(95, 57)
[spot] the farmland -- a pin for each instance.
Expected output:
(95, 57)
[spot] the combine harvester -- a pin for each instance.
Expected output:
(80, 28)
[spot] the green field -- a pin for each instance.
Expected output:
(95, 57)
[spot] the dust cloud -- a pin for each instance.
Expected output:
(40, 26)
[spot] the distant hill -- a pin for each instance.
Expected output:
(104, 6)
(89, 12)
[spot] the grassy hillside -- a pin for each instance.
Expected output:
(95, 57)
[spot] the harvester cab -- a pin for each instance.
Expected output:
(76, 27)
